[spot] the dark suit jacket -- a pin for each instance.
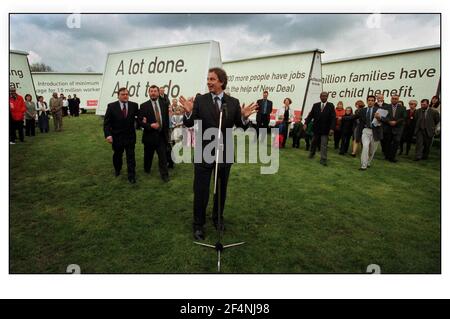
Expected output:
(324, 121)
(165, 98)
(150, 135)
(410, 123)
(205, 110)
(259, 114)
(362, 115)
(123, 130)
(431, 120)
(347, 125)
(400, 117)
(386, 126)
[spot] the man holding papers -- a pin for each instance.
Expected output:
(370, 121)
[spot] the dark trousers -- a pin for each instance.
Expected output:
(337, 138)
(308, 141)
(71, 110)
(13, 127)
(30, 127)
(345, 143)
(263, 122)
(170, 162)
(202, 181)
(284, 127)
(321, 142)
(423, 144)
(392, 143)
(128, 148)
(296, 140)
(43, 122)
(161, 150)
(406, 138)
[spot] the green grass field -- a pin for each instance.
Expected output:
(66, 207)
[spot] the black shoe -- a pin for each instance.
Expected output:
(117, 173)
(393, 160)
(165, 179)
(199, 235)
(417, 159)
(132, 180)
(362, 169)
(341, 153)
(353, 155)
(147, 171)
(311, 155)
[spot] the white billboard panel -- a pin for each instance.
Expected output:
(283, 75)
(413, 74)
(19, 73)
(85, 85)
(182, 69)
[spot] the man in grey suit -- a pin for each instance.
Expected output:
(56, 105)
(372, 132)
(426, 121)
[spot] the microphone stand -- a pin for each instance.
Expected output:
(219, 247)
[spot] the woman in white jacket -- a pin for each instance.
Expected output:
(42, 110)
(286, 115)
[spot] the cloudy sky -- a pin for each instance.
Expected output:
(49, 40)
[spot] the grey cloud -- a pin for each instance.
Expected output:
(240, 35)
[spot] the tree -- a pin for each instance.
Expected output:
(41, 67)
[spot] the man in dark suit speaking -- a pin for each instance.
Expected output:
(154, 118)
(120, 131)
(206, 108)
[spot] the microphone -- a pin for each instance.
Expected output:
(225, 110)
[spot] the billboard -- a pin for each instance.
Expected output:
(19, 73)
(412, 73)
(85, 85)
(182, 69)
(296, 75)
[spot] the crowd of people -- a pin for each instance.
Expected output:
(25, 114)
(373, 122)
(164, 123)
